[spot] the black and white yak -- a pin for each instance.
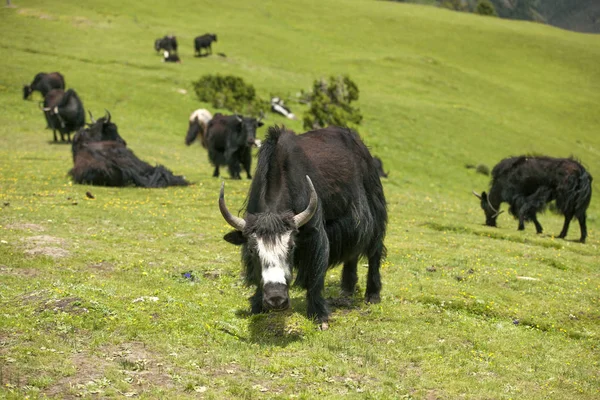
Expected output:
(44, 83)
(101, 157)
(277, 106)
(63, 112)
(528, 184)
(197, 125)
(229, 139)
(171, 56)
(316, 201)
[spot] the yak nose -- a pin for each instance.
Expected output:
(277, 302)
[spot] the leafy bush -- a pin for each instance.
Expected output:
(485, 7)
(229, 92)
(330, 103)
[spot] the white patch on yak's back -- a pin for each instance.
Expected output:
(202, 114)
(273, 257)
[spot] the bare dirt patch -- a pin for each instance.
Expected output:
(102, 266)
(70, 305)
(45, 245)
(25, 227)
(23, 272)
(140, 367)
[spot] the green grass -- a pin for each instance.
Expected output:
(439, 90)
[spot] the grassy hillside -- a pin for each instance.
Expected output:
(467, 311)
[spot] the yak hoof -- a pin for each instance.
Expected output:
(373, 298)
(324, 326)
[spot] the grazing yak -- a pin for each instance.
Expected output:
(171, 56)
(316, 201)
(168, 43)
(44, 83)
(101, 157)
(229, 139)
(379, 166)
(528, 184)
(204, 42)
(278, 107)
(197, 126)
(64, 112)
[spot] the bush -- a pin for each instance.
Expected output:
(330, 103)
(485, 7)
(229, 92)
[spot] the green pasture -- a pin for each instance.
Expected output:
(93, 302)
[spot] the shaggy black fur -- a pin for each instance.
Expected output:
(66, 112)
(100, 157)
(44, 83)
(350, 221)
(229, 139)
(168, 43)
(528, 184)
(379, 166)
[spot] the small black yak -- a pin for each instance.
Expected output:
(63, 112)
(528, 184)
(168, 43)
(100, 157)
(316, 202)
(229, 139)
(44, 83)
(204, 42)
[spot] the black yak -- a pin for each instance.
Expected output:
(528, 184)
(168, 43)
(64, 112)
(229, 139)
(316, 201)
(198, 122)
(100, 157)
(204, 42)
(44, 83)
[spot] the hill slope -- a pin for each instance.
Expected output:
(467, 310)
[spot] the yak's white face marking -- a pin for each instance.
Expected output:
(273, 258)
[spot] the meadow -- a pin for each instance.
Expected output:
(135, 294)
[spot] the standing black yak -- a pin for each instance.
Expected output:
(316, 201)
(168, 43)
(64, 112)
(204, 42)
(528, 184)
(229, 139)
(44, 83)
(100, 157)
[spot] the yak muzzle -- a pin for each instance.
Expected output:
(276, 297)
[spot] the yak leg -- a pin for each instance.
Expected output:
(247, 162)
(349, 277)
(315, 264)
(256, 301)
(54, 133)
(538, 226)
(374, 277)
(216, 171)
(233, 164)
(582, 227)
(565, 229)
(521, 223)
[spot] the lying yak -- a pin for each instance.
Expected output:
(101, 157)
(528, 184)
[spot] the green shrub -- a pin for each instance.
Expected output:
(229, 92)
(485, 7)
(330, 103)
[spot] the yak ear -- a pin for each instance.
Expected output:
(235, 237)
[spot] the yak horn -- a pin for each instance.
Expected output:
(236, 222)
(108, 115)
(91, 117)
(237, 116)
(307, 214)
(477, 195)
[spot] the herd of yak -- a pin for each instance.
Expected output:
(316, 199)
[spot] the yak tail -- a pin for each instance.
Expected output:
(584, 193)
(162, 177)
